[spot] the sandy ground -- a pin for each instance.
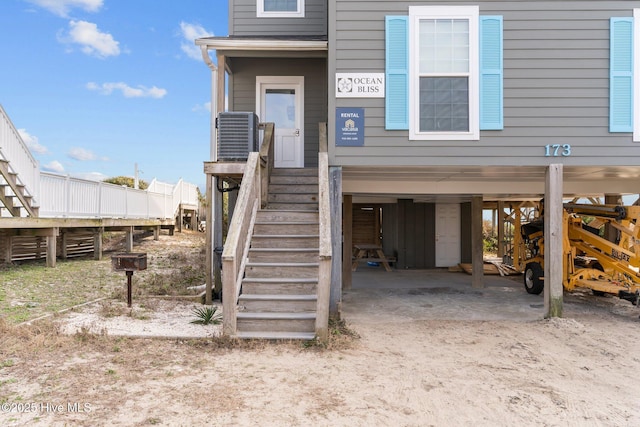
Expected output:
(149, 318)
(580, 370)
(400, 370)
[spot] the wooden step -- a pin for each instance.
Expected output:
(305, 336)
(294, 206)
(280, 286)
(275, 215)
(284, 228)
(294, 171)
(275, 303)
(293, 188)
(280, 241)
(276, 322)
(293, 198)
(283, 254)
(292, 179)
(281, 270)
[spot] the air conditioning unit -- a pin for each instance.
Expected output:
(238, 135)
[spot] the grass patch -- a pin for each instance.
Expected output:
(30, 290)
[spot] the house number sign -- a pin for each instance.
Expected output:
(557, 150)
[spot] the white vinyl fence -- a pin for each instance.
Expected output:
(67, 197)
(60, 196)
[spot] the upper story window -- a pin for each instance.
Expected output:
(443, 80)
(280, 8)
(444, 73)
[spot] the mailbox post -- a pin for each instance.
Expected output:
(129, 262)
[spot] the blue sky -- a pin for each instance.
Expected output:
(95, 86)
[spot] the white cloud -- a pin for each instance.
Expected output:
(32, 142)
(202, 107)
(92, 41)
(128, 91)
(191, 32)
(53, 166)
(62, 7)
(81, 154)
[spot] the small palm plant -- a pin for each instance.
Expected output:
(207, 315)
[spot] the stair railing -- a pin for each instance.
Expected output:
(251, 197)
(325, 253)
(22, 162)
(266, 159)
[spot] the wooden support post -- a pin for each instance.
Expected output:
(194, 220)
(51, 247)
(156, 233)
(180, 217)
(553, 252)
(128, 240)
(63, 244)
(232, 199)
(97, 244)
(335, 195)
(209, 241)
(477, 260)
(8, 249)
(501, 221)
(347, 240)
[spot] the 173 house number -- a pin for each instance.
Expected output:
(557, 150)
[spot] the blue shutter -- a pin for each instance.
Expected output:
(397, 73)
(621, 75)
(491, 86)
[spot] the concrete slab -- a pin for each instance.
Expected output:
(436, 295)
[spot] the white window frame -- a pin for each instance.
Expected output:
(636, 75)
(417, 13)
(280, 14)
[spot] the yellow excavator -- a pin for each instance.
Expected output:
(589, 260)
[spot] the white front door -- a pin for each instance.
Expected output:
(447, 234)
(280, 100)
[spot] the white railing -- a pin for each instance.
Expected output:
(185, 193)
(67, 197)
(14, 150)
(62, 196)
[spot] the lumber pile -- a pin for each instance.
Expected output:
(492, 267)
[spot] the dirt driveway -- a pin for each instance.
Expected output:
(401, 370)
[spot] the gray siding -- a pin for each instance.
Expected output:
(556, 82)
(244, 21)
(242, 91)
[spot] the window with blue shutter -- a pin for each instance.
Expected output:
(491, 86)
(488, 72)
(397, 73)
(621, 75)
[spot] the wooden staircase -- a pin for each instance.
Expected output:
(12, 194)
(278, 297)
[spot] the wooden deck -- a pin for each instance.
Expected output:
(50, 238)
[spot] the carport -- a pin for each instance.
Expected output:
(438, 294)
